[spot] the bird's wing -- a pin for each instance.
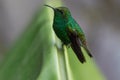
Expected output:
(75, 43)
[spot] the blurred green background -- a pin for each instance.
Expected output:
(98, 18)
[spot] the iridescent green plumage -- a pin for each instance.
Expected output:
(69, 31)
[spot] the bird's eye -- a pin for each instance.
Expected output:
(61, 11)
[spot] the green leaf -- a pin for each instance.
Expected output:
(86, 71)
(37, 55)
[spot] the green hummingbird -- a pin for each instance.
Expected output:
(69, 31)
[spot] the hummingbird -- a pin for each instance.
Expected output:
(69, 31)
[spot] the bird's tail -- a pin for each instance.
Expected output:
(87, 50)
(77, 49)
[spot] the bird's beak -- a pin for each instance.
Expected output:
(49, 6)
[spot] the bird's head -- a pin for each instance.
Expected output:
(61, 12)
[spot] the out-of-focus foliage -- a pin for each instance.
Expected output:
(37, 55)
